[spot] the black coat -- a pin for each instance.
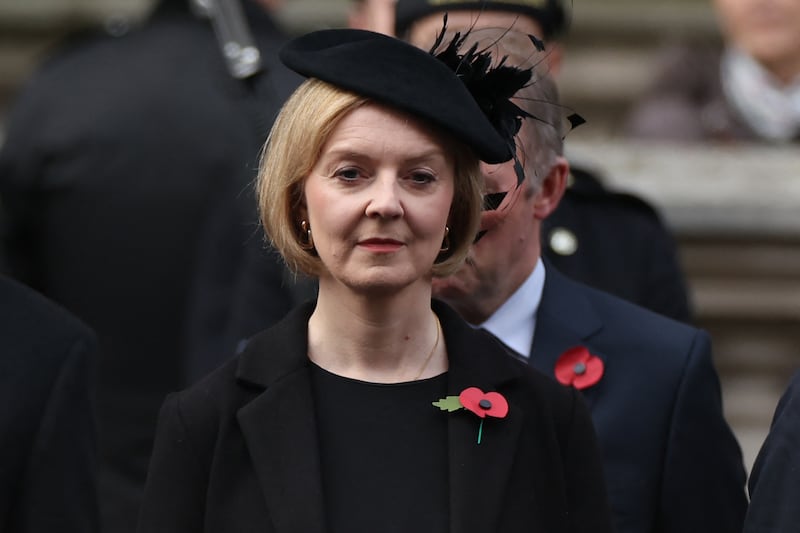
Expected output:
(775, 479)
(120, 155)
(47, 442)
(238, 451)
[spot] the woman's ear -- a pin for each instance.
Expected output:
(552, 189)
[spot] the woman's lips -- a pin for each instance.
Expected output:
(381, 245)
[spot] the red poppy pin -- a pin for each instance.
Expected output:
(481, 403)
(579, 368)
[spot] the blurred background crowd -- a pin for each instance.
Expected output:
(671, 117)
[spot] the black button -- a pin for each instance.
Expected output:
(485, 404)
(579, 369)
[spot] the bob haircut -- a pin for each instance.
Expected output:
(295, 142)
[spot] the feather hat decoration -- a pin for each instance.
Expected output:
(492, 87)
(493, 82)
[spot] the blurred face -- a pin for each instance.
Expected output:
(769, 30)
(378, 200)
(373, 15)
(506, 254)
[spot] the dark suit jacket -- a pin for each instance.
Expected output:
(238, 451)
(672, 463)
(775, 479)
(47, 441)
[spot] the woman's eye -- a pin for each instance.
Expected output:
(348, 174)
(421, 178)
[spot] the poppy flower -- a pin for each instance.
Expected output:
(484, 404)
(481, 403)
(579, 368)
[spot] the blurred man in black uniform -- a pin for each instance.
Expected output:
(611, 241)
(48, 459)
(122, 156)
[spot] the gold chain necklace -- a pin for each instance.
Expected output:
(430, 355)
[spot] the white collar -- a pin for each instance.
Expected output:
(515, 321)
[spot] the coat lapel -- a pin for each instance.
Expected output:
(479, 473)
(565, 319)
(279, 426)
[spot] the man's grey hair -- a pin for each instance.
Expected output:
(542, 139)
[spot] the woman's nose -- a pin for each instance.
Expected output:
(385, 199)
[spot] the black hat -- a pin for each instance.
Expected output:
(550, 14)
(393, 72)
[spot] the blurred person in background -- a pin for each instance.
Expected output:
(373, 15)
(612, 241)
(775, 480)
(123, 156)
(672, 463)
(48, 456)
(748, 91)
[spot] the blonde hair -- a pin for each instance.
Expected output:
(295, 143)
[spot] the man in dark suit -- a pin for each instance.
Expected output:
(122, 156)
(775, 481)
(47, 444)
(612, 241)
(672, 463)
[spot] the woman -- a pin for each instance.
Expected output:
(372, 408)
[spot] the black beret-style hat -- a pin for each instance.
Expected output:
(400, 75)
(550, 14)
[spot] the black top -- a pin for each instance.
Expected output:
(383, 453)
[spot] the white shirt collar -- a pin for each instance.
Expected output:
(515, 321)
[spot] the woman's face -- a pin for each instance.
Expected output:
(378, 200)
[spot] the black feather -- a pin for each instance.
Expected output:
(492, 87)
(575, 120)
(538, 43)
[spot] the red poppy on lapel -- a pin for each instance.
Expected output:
(481, 403)
(484, 404)
(579, 368)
